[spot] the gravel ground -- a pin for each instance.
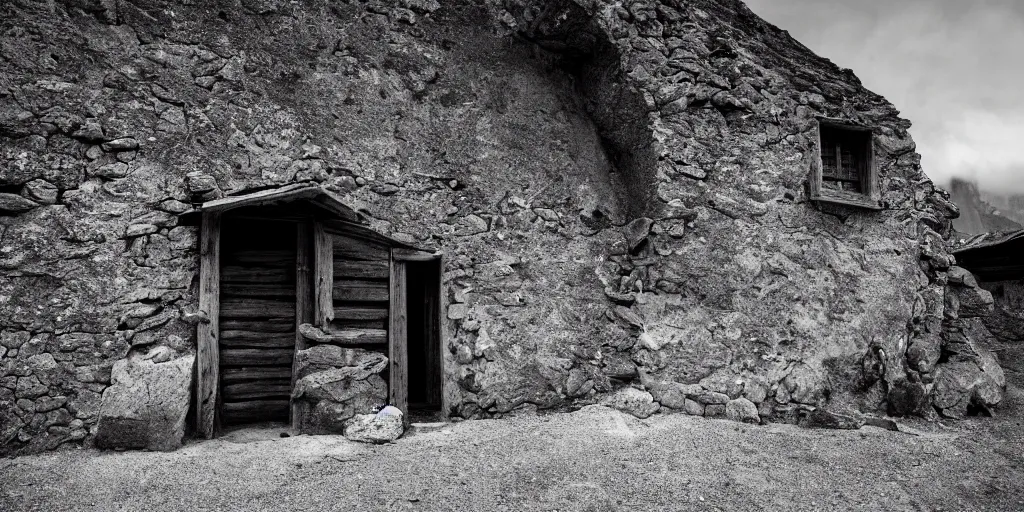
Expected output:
(595, 459)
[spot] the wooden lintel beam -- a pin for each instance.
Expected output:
(414, 255)
(263, 197)
(344, 336)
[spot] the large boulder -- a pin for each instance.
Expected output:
(337, 384)
(383, 427)
(805, 384)
(146, 404)
(965, 297)
(633, 401)
(907, 398)
(742, 410)
(960, 385)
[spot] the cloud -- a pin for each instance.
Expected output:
(954, 68)
(980, 145)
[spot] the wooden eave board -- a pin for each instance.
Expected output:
(339, 217)
(989, 240)
(1000, 260)
(361, 231)
(308, 192)
(283, 194)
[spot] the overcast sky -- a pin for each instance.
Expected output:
(955, 68)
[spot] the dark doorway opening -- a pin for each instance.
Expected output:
(257, 317)
(424, 340)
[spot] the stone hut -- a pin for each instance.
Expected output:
(210, 213)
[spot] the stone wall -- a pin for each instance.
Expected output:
(1007, 320)
(619, 191)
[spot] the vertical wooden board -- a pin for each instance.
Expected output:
(435, 361)
(444, 332)
(871, 180)
(207, 350)
(815, 177)
(303, 303)
(323, 276)
(398, 343)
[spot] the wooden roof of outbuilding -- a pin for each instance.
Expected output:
(993, 256)
(310, 192)
(342, 215)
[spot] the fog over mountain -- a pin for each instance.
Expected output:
(954, 68)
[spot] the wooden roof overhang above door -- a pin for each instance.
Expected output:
(314, 288)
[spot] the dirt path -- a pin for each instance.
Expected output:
(592, 460)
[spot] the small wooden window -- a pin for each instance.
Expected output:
(843, 171)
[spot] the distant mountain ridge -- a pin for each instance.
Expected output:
(985, 212)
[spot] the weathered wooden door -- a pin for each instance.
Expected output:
(257, 318)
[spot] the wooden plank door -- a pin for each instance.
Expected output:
(258, 281)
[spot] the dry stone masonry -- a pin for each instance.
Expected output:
(620, 191)
(336, 384)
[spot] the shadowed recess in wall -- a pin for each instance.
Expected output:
(618, 109)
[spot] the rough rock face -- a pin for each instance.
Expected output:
(1007, 319)
(970, 375)
(146, 404)
(336, 384)
(962, 384)
(618, 189)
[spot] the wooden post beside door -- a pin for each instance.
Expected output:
(207, 354)
(303, 306)
(398, 344)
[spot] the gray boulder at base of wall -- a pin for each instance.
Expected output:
(383, 427)
(146, 404)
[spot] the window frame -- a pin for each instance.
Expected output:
(869, 197)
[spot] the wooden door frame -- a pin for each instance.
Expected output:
(398, 324)
(305, 267)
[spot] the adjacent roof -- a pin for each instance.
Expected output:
(993, 256)
(311, 193)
